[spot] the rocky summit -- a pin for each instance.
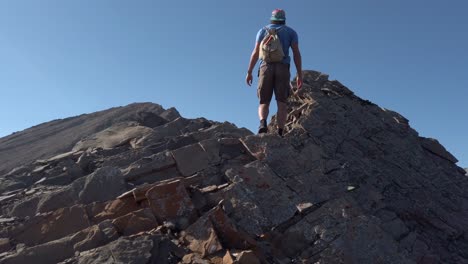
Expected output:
(350, 182)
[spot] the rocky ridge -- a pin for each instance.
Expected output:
(350, 182)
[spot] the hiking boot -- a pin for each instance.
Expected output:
(263, 127)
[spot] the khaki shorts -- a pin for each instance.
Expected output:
(273, 77)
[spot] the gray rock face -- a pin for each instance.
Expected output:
(104, 184)
(350, 182)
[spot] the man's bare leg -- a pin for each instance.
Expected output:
(281, 116)
(263, 111)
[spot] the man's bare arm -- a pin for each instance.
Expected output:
(253, 61)
(298, 63)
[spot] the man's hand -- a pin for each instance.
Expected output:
(299, 81)
(249, 79)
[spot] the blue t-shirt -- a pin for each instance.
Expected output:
(287, 37)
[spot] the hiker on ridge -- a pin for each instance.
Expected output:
(272, 47)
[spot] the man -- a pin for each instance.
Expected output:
(274, 77)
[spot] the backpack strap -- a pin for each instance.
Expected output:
(267, 29)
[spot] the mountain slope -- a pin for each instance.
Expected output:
(350, 182)
(58, 136)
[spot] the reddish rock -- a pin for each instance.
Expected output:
(170, 201)
(112, 209)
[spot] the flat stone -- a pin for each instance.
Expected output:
(191, 159)
(147, 165)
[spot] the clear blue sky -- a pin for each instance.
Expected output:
(64, 58)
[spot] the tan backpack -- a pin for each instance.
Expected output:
(271, 49)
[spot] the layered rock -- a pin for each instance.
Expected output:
(350, 182)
